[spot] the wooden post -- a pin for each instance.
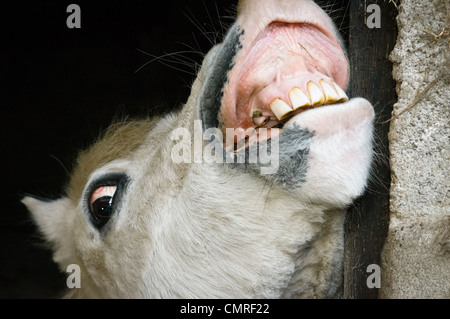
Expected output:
(371, 77)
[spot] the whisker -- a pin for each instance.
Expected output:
(177, 58)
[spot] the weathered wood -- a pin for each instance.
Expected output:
(367, 220)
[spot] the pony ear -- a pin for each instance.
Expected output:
(50, 216)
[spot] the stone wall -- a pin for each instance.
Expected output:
(416, 254)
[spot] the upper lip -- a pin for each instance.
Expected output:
(303, 78)
(273, 110)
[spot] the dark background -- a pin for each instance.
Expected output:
(61, 87)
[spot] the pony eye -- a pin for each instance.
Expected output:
(101, 203)
(103, 198)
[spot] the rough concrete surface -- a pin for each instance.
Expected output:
(416, 254)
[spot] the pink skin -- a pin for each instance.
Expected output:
(286, 44)
(102, 191)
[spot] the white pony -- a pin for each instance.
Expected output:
(187, 206)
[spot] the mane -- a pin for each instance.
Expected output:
(118, 141)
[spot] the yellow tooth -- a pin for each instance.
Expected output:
(260, 121)
(330, 93)
(298, 98)
(341, 93)
(280, 108)
(315, 93)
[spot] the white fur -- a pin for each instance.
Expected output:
(212, 231)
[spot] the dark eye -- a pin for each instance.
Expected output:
(101, 202)
(103, 198)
